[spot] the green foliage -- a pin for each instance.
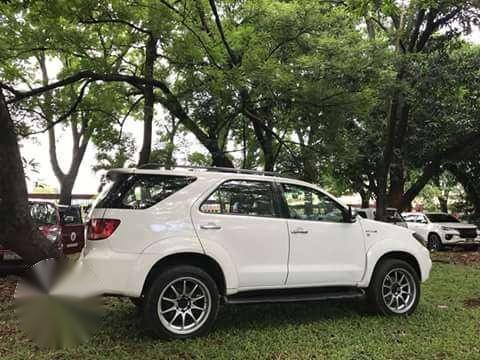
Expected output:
(303, 86)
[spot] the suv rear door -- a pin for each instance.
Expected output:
(241, 219)
(324, 248)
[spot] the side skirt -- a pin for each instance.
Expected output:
(295, 295)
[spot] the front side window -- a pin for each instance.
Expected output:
(309, 204)
(242, 197)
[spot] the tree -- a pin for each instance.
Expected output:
(19, 233)
(412, 31)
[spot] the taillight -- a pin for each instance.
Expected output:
(51, 232)
(99, 229)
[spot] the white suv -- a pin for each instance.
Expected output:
(180, 243)
(442, 229)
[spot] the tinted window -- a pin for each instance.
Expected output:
(442, 218)
(242, 197)
(308, 204)
(43, 213)
(141, 191)
(70, 215)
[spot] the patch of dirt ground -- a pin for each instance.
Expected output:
(457, 257)
(472, 303)
(7, 288)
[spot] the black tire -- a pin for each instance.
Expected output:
(434, 243)
(138, 302)
(157, 325)
(375, 292)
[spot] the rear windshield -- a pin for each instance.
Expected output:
(140, 191)
(43, 213)
(70, 215)
(442, 218)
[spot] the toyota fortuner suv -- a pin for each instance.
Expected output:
(181, 243)
(442, 229)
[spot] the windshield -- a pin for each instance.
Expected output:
(442, 218)
(70, 215)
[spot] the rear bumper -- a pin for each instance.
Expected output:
(99, 271)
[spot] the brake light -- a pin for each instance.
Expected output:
(99, 229)
(51, 232)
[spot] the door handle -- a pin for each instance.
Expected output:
(210, 226)
(299, 231)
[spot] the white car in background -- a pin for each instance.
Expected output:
(442, 229)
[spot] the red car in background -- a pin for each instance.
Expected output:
(60, 224)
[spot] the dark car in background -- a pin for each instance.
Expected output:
(73, 229)
(46, 217)
(60, 224)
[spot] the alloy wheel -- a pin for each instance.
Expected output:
(184, 305)
(399, 290)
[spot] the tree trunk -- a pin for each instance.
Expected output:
(66, 189)
(443, 204)
(220, 159)
(397, 185)
(365, 196)
(19, 233)
(149, 100)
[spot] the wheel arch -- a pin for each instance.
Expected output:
(204, 262)
(433, 232)
(400, 255)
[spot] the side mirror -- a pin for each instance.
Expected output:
(350, 215)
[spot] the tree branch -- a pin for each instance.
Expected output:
(233, 58)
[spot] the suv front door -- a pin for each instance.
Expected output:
(324, 248)
(241, 219)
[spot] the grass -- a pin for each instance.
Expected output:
(442, 328)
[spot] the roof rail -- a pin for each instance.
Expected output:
(154, 166)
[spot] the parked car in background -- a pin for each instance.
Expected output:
(47, 218)
(442, 229)
(72, 229)
(393, 216)
(182, 242)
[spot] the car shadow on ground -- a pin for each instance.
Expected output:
(234, 318)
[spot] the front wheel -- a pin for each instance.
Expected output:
(394, 288)
(182, 302)
(434, 243)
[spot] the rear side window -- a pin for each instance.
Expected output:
(242, 197)
(141, 191)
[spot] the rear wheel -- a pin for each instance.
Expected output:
(434, 243)
(182, 302)
(394, 288)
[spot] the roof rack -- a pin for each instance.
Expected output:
(154, 166)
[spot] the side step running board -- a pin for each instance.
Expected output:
(294, 295)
